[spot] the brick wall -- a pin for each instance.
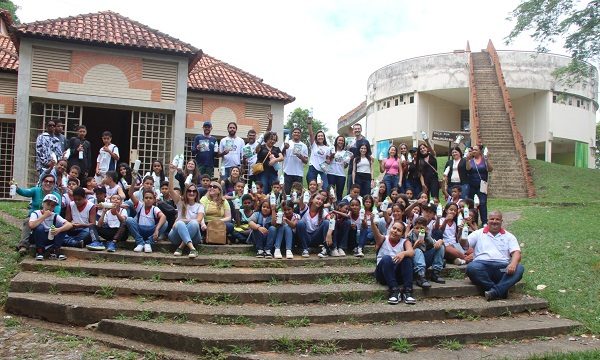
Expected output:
(7, 105)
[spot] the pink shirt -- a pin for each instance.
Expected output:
(390, 166)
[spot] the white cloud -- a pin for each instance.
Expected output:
(322, 52)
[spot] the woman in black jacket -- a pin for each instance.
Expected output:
(455, 173)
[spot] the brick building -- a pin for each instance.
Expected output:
(108, 72)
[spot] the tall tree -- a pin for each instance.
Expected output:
(12, 9)
(574, 20)
(297, 118)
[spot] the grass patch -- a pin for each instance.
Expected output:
(454, 273)
(11, 322)
(234, 320)
(156, 278)
(580, 355)
(490, 342)
(402, 345)
(350, 297)
(144, 315)
(106, 292)
(333, 279)
(240, 350)
(212, 353)
(464, 315)
(190, 281)
(290, 345)
(273, 281)
(314, 264)
(219, 299)
(324, 348)
(296, 323)
(9, 261)
(260, 264)
(275, 301)
(180, 318)
(151, 262)
(221, 264)
(452, 345)
(18, 209)
(67, 272)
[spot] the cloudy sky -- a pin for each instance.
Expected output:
(322, 52)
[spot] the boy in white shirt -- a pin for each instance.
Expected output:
(48, 229)
(108, 156)
(112, 226)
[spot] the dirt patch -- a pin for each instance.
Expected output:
(509, 217)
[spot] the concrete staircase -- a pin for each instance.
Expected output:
(259, 308)
(507, 180)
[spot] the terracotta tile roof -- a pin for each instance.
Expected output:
(9, 60)
(107, 28)
(361, 107)
(213, 75)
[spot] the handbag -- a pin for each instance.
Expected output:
(260, 166)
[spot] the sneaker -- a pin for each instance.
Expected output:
(193, 253)
(23, 251)
(305, 253)
(408, 298)
(96, 246)
(436, 278)
(323, 253)
(459, 261)
(341, 252)
(268, 254)
(139, 248)
(422, 282)
(334, 252)
(178, 252)
(359, 253)
(147, 248)
(394, 298)
(260, 254)
(490, 295)
(39, 257)
(277, 254)
(289, 254)
(111, 246)
(61, 257)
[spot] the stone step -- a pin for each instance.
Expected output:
(192, 337)
(166, 246)
(221, 272)
(81, 310)
(235, 260)
(226, 293)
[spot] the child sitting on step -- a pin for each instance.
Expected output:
(112, 226)
(146, 225)
(260, 222)
(48, 229)
(82, 214)
(241, 230)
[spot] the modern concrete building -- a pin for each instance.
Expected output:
(557, 121)
(108, 72)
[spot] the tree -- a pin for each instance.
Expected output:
(551, 19)
(298, 117)
(12, 9)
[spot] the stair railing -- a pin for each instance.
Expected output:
(518, 138)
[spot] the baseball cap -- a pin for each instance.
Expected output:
(207, 123)
(51, 197)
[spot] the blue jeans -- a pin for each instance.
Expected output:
(391, 181)
(415, 186)
(388, 273)
(40, 238)
(489, 276)
(312, 175)
(315, 238)
(75, 236)
(475, 190)
(143, 233)
(344, 237)
(432, 257)
(464, 190)
(267, 179)
(339, 182)
(281, 233)
(365, 234)
(261, 241)
(187, 233)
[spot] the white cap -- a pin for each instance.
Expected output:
(51, 197)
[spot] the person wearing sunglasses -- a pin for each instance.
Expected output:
(37, 194)
(216, 208)
(190, 213)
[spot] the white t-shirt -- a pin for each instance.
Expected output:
(318, 153)
(455, 178)
(388, 249)
(234, 156)
(450, 234)
(252, 159)
(112, 221)
(312, 223)
(147, 218)
(191, 211)
(292, 164)
(487, 247)
(340, 159)
(49, 221)
(363, 166)
(112, 191)
(83, 216)
(104, 158)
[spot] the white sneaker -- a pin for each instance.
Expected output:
(147, 248)
(323, 253)
(341, 252)
(289, 254)
(459, 261)
(305, 254)
(138, 248)
(334, 252)
(277, 254)
(359, 253)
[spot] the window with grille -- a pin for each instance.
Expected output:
(151, 138)
(7, 153)
(69, 115)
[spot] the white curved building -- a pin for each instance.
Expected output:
(557, 121)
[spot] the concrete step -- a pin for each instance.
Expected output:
(192, 337)
(166, 246)
(81, 310)
(235, 260)
(226, 293)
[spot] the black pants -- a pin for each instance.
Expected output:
(364, 181)
(110, 234)
(289, 180)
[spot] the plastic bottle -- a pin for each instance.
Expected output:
(136, 165)
(279, 217)
(272, 199)
(361, 215)
(332, 193)
(370, 219)
(13, 188)
(50, 234)
(306, 197)
(188, 179)
(466, 211)
(319, 180)
(402, 158)
(260, 139)
(464, 235)
(237, 203)
(467, 150)
(381, 156)
(281, 179)
(245, 189)
(385, 204)
(254, 190)
(424, 135)
(485, 152)
(421, 235)
(294, 196)
(410, 158)
(332, 224)
(181, 161)
(476, 200)
(80, 155)
(222, 170)
(461, 219)
(439, 210)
